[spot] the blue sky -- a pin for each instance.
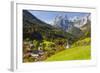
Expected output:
(48, 16)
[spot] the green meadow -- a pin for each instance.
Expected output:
(76, 52)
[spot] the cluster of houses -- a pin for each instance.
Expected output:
(28, 52)
(36, 54)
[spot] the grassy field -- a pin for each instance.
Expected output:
(74, 53)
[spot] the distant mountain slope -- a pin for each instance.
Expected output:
(32, 23)
(28, 18)
(87, 29)
(62, 22)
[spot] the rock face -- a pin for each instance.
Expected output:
(86, 28)
(63, 23)
(79, 22)
(75, 26)
(66, 24)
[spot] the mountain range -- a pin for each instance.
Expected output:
(76, 26)
(62, 27)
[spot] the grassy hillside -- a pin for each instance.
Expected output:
(80, 52)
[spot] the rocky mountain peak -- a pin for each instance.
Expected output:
(62, 22)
